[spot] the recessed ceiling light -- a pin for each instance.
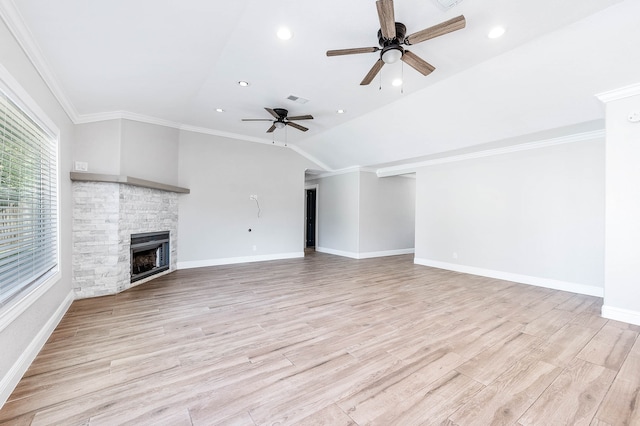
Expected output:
(243, 83)
(219, 110)
(340, 111)
(496, 32)
(284, 33)
(397, 82)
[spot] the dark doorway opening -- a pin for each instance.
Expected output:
(311, 219)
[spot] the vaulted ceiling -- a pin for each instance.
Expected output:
(174, 62)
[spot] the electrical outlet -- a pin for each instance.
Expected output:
(255, 248)
(81, 166)
(455, 255)
(253, 197)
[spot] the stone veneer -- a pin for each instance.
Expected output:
(104, 217)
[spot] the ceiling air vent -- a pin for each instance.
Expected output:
(297, 99)
(447, 4)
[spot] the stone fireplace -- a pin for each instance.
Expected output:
(107, 211)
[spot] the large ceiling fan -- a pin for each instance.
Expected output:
(391, 37)
(281, 119)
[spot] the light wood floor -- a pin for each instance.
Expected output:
(333, 341)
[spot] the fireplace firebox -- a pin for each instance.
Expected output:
(149, 254)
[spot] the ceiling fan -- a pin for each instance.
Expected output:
(391, 37)
(281, 119)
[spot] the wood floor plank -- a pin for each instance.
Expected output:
(391, 390)
(329, 416)
(509, 396)
(492, 362)
(433, 404)
(332, 340)
(573, 398)
(609, 347)
(621, 405)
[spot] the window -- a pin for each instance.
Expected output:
(28, 202)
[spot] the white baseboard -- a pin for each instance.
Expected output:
(619, 314)
(234, 260)
(367, 255)
(371, 254)
(589, 290)
(351, 254)
(17, 370)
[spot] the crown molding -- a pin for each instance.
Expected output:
(125, 115)
(621, 93)
(14, 21)
(412, 167)
(344, 171)
(308, 156)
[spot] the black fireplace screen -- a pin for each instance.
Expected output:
(149, 254)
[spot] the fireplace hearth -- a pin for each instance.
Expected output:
(150, 254)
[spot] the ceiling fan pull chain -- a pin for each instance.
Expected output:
(402, 78)
(380, 80)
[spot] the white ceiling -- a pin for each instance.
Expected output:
(176, 61)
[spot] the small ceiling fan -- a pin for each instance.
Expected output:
(281, 119)
(391, 37)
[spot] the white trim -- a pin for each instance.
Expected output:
(14, 90)
(619, 314)
(620, 93)
(125, 115)
(411, 167)
(18, 95)
(589, 290)
(10, 380)
(9, 313)
(346, 170)
(385, 253)
(309, 157)
(351, 254)
(14, 21)
(367, 255)
(234, 260)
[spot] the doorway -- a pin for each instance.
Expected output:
(311, 209)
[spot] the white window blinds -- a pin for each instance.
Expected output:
(28, 201)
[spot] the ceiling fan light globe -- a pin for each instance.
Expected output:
(279, 125)
(391, 55)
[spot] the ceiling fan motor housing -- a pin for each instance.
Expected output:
(281, 112)
(401, 31)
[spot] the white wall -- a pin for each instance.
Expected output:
(25, 328)
(215, 217)
(387, 214)
(338, 209)
(129, 148)
(361, 215)
(622, 277)
(149, 152)
(535, 216)
(98, 145)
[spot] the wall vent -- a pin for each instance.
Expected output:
(297, 99)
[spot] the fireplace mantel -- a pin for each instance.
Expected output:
(127, 180)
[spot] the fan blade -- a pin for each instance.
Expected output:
(372, 72)
(301, 117)
(419, 64)
(387, 20)
(296, 126)
(257, 119)
(353, 51)
(272, 128)
(272, 112)
(446, 27)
